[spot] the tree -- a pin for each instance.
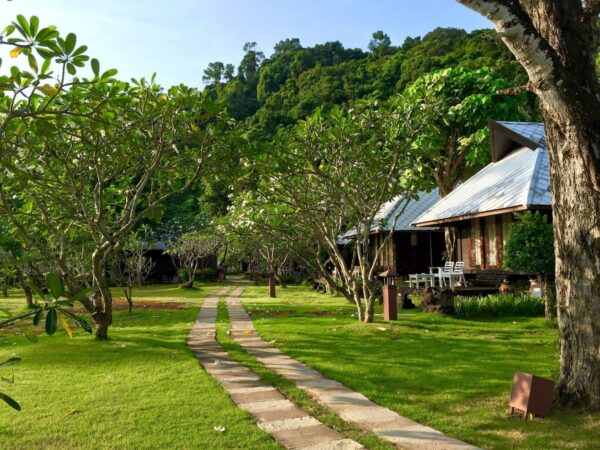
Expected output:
(530, 249)
(455, 139)
(333, 173)
(130, 267)
(251, 61)
(380, 42)
(214, 73)
(191, 249)
(108, 156)
(556, 41)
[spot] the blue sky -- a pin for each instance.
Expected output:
(178, 38)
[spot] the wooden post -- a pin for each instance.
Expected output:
(390, 302)
(272, 286)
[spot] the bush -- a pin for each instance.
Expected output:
(502, 305)
(206, 274)
(182, 273)
(288, 279)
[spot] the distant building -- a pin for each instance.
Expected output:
(410, 249)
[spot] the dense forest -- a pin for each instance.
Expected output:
(263, 94)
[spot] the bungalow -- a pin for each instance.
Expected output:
(410, 249)
(482, 208)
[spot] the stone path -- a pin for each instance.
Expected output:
(351, 406)
(275, 414)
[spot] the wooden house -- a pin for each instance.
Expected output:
(410, 249)
(482, 208)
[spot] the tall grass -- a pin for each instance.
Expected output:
(501, 305)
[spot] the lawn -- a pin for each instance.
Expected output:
(141, 389)
(452, 374)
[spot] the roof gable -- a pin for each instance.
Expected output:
(505, 137)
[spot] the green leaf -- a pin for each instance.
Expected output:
(109, 73)
(51, 319)
(10, 401)
(70, 42)
(33, 63)
(95, 66)
(34, 25)
(71, 69)
(9, 30)
(37, 316)
(24, 24)
(84, 324)
(10, 361)
(55, 284)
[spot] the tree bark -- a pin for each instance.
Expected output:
(272, 285)
(556, 42)
(26, 289)
(101, 296)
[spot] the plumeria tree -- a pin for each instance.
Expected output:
(333, 173)
(93, 156)
(191, 249)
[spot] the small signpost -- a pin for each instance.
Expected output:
(531, 394)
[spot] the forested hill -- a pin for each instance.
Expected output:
(294, 80)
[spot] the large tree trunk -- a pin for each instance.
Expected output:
(556, 42)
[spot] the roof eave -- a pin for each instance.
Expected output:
(446, 221)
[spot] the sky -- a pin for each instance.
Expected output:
(178, 38)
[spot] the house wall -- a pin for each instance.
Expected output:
(409, 252)
(482, 240)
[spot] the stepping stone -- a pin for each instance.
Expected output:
(251, 389)
(279, 414)
(342, 444)
(306, 436)
(257, 396)
(288, 424)
(268, 405)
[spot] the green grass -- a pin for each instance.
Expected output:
(142, 389)
(452, 374)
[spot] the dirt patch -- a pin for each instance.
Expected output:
(120, 304)
(291, 313)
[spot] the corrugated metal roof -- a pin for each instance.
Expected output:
(519, 179)
(531, 130)
(416, 207)
(386, 215)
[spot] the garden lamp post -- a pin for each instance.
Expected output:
(390, 295)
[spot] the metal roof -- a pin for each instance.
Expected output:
(533, 131)
(386, 215)
(520, 179)
(417, 206)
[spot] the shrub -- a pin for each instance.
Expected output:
(182, 273)
(502, 305)
(288, 279)
(206, 274)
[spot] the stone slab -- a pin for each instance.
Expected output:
(288, 424)
(306, 436)
(278, 414)
(342, 444)
(256, 396)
